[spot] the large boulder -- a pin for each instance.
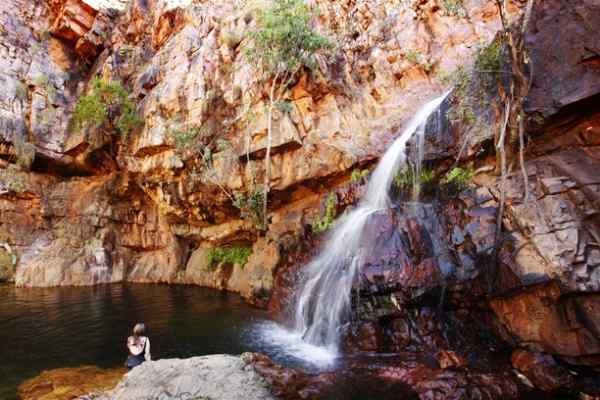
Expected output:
(219, 377)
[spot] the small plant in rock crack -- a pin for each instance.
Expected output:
(358, 175)
(457, 180)
(405, 180)
(183, 138)
(11, 180)
(455, 8)
(417, 58)
(326, 221)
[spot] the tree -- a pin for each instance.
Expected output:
(519, 84)
(283, 44)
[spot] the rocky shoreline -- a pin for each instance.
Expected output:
(253, 376)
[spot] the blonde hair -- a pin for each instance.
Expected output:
(139, 329)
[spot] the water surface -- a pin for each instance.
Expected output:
(67, 327)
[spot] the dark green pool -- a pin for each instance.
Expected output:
(66, 327)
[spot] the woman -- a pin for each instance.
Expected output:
(138, 346)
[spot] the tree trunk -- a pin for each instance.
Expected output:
(267, 182)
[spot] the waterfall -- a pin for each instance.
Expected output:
(322, 302)
(323, 299)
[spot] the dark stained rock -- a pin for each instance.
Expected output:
(449, 359)
(541, 370)
(565, 62)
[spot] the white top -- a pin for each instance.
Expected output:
(137, 346)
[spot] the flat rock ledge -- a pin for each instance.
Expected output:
(214, 377)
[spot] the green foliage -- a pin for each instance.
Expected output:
(236, 255)
(472, 86)
(16, 185)
(458, 179)
(405, 179)
(231, 38)
(285, 39)
(223, 144)
(358, 175)
(41, 81)
(104, 99)
(454, 7)
(12, 180)
(488, 63)
(183, 138)
(326, 220)
(459, 79)
(416, 57)
(251, 206)
(285, 107)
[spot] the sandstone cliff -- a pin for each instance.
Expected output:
(97, 207)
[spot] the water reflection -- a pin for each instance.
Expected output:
(66, 327)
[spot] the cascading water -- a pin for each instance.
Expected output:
(323, 298)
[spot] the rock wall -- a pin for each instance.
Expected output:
(155, 210)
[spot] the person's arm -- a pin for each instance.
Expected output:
(129, 343)
(147, 354)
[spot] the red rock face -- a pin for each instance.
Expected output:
(84, 25)
(564, 326)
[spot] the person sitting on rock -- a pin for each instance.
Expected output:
(138, 346)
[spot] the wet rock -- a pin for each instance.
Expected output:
(70, 383)
(289, 383)
(541, 370)
(449, 359)
(433, 383)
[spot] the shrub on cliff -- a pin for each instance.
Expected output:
(473, 86)
(106, 102)
(282, 45)
(457, 179)
(236, 255)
